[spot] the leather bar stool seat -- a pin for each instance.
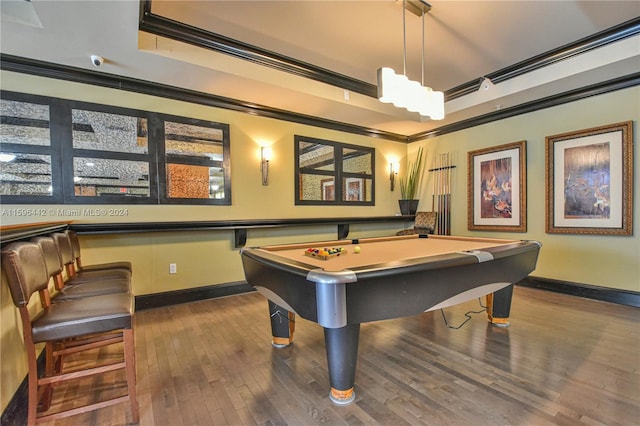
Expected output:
(84, 316)
(65, 329)
(69, 290)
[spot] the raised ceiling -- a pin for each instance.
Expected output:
(465, 41)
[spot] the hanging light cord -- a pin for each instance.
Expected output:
(404, 41)
(422, 47)
(404, 38)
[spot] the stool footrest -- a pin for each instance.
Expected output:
(83, 409)
(82, 373)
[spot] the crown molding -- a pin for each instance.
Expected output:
(164, 27)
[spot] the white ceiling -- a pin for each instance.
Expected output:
(465, 40)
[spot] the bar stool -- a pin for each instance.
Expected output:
(68, 290)
(75, 246)
(69, 327)
(66, 253)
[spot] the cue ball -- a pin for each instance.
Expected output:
(356, 249)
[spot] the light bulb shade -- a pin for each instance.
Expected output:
(266, 153)
(410, 95)
(393, 170)
(433, 104)
(386, 85)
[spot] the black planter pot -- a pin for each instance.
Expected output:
(408, 207)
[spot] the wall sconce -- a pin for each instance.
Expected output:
(393, 171)
(265, 154)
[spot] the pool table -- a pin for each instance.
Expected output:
(372, 279)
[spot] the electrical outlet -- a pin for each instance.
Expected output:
(173, 268)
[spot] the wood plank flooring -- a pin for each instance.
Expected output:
(564, 361)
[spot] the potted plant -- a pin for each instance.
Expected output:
(409, 185)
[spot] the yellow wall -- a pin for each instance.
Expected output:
(607, 261)
(208, 257)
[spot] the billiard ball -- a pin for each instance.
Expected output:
(356, 249)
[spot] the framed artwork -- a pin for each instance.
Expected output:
(497, 190)
(354, 189)
(589, 181)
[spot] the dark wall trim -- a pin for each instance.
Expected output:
(611, 35)
(116, 228)
(594, 41)
(603, 294)
(548, 102)
(239, 227)
(81, 75)
(168, 298)
(164, 27)
(21, 233)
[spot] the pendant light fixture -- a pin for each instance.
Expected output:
(398, 90)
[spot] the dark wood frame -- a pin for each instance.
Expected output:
(62, 154)
(518, 221)
(338, 174)
(620, 187)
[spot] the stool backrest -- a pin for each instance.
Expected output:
(426, 221)
(24, 266)
(66, 252)
(75, 244)
(51, 254)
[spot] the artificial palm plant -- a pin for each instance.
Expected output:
(409, 184)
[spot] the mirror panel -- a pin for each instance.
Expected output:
(102, 131)
(95, 177)
(356, 189)
(317, 187)
(25, 136)
(356, 161)
(194, 181)
(193, 141)
(24, 123)
(26, 174)
(316, 156)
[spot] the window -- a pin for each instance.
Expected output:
(320, 164)
(54, 151)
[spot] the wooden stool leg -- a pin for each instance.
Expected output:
(50, 370)
(32, 403)
(130, 360)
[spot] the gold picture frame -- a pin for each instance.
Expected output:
(589, 181)
(497, 188)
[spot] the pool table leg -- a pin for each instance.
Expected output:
(282, 325)
(499, 306)
(342, 355)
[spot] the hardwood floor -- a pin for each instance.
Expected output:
(564, 361)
